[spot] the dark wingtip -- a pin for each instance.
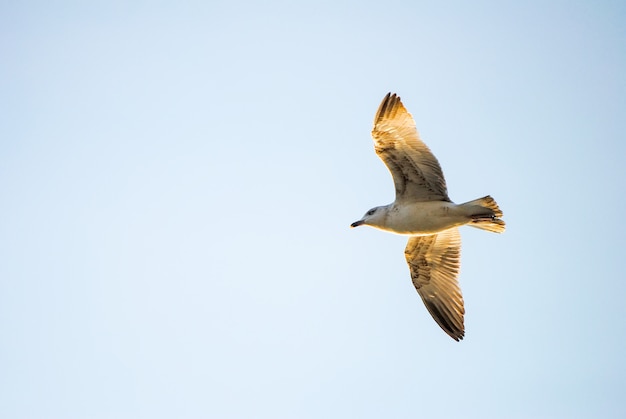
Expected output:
(444, 322)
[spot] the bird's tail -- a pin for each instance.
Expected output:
(485, 214)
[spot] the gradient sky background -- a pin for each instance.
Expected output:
(177, 180)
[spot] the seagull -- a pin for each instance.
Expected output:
(423, 211)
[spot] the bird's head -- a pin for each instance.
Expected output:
(373, 217)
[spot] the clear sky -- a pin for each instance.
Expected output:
(177, 181)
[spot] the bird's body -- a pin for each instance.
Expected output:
(423, 211)
(420, 218)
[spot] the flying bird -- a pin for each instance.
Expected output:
(423, 211)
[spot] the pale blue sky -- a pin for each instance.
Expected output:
(177, 180)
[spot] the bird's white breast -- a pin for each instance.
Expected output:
(423, 218)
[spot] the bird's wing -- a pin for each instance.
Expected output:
(415, 170)
(434, 265)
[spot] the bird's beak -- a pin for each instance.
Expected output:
(356, 223)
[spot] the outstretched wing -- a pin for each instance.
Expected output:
(416, 172)
(434, 264)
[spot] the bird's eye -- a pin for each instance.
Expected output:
(370, 212)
